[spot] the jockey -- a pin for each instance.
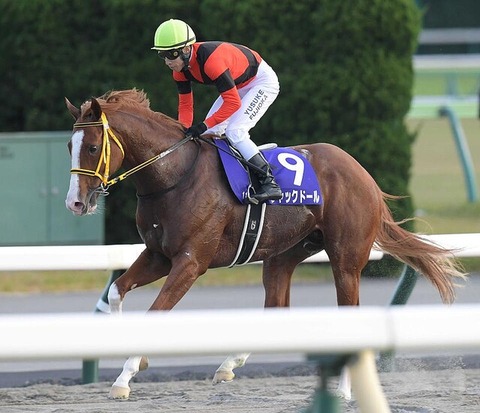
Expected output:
(246, 83)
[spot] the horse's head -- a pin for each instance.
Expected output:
(93, 156)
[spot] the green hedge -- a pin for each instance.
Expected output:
(344, 67)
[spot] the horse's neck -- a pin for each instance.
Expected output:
(144, 139)
(165, 172)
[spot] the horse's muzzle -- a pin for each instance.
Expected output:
(86, 207)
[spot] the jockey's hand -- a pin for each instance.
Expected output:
(196, 130)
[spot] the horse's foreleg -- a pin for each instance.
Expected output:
(225, 372)
(177, 284)
(143, 271)
(120, 389)
(147, 268)
(115, 300)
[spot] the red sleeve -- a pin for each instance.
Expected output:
(229, 93)
(185, 99)
(231, 103)
(185, 109)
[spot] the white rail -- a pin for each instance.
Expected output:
(113, 257)
(450, 36)
(312, 331)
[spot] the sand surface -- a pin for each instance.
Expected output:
(450, 390)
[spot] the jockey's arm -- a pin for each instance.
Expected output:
(185, 103)
(231, 99)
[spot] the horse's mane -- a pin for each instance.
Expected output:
(131, 99)
(119, 99)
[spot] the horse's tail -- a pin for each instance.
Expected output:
(436, 263)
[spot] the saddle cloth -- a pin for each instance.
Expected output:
(291, 169)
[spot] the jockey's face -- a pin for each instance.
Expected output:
(178, 64)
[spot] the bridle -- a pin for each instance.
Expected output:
(105, 156)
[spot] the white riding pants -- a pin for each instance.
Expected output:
(256, 98)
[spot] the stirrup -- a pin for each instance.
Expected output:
(252, 199)
(250, 195)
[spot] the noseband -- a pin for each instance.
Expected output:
(106, 154)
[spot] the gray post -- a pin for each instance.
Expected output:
(463, 151)
(402, 293)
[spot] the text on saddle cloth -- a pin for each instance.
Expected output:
(291, 169)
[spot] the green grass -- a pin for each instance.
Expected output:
(52, 281)
(437, 185)
(61, 281)
(442, 82)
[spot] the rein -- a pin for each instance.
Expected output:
(238, 157)
(187, 173)
(106, 154)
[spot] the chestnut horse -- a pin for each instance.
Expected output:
(190, 220)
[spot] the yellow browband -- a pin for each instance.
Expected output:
(106, 152)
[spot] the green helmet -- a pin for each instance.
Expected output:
(173, 34)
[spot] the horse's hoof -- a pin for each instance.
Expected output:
(223, 376)
(117, 392)
(143, 363)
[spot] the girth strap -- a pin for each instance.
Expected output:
(252, 230)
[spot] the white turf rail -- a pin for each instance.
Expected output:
(308, 330)
(116, 257)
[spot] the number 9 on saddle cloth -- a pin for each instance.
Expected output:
(291, 169)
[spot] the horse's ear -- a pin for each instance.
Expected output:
(96, 109)
(72, 109)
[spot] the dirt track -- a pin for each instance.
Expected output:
(451, 390)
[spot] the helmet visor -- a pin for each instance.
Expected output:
(171, 54)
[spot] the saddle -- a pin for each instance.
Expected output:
(291, 169)
(292, 172)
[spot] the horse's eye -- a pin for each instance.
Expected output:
(92, 149)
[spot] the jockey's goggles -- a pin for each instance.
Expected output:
(171, 54)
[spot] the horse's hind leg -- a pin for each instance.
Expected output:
(348, 247)
(277, 274)
(225, 372)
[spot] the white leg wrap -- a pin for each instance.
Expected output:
(130, 369)
(120, 389)
(225, 372)
(114, 300)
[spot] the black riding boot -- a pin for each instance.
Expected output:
(269, 189)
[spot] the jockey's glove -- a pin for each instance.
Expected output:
(196, 130)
